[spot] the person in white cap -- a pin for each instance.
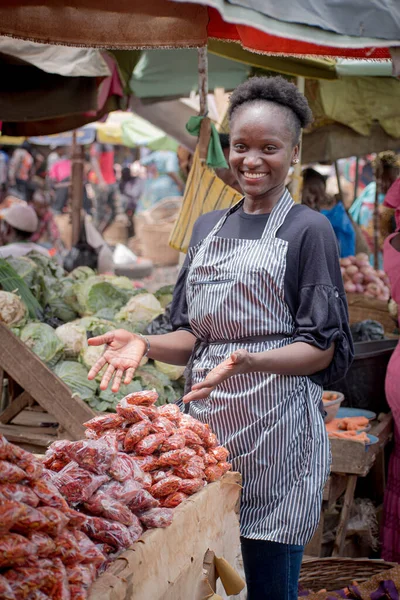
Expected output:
(17, 224)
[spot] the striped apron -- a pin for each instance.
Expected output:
(271, 424)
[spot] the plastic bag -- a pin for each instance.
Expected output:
(78, 485)
(158, 475)
(108, 532)
(104, 422)
(26, 461)
(92, 556)
(27, 580)
(209, 459)
(220, 453)
(6, 592)
(200, 451)
(143, 501)
(135, 530)
(10, 513)
(59, 590)
(130, 412)
(174, 442)
(170, 411)
(76, 519)
(166, 486)
(135, 434)
(101, 505)
(122, 492)
(94, 455)
(163, 425)
(82, 254)
(4, 447)
(189, 471)
(45, 545)
(32, 520)
(147, 481)
(157, 517)
(14, 549)
(188, 422)
(18, 493)
(82, 574)
(150, 444)
(367, 330)
(146, 463)
(175, 458)
(215, 472)
(150, 412)
(49, 495)
(191, 438)
(111, 438)
(10, 473)
(57, 450)
(56, 521)
(211, 441)
(191, 486)
(143, 398)
(121, 467)
(174, 500)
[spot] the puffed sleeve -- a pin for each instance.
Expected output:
(321, 317)
(179, 308)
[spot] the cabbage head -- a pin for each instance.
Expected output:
(13, 311)
(82, 273)
(47, 266)
(54, 302)
(140, 311)
(74, 375)
(90, 355)
(94, 326)
(173, 372)
(42, 340)
(28, 270)
(73, 336)
(95, 294)
(164, 295)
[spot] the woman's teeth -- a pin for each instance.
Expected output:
(249, 175)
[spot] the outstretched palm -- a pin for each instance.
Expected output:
(122, 354)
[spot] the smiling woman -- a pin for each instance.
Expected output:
(260, 313)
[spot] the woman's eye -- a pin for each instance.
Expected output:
(239, 147)
(270, 148)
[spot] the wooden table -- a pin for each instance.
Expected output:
(351, 460)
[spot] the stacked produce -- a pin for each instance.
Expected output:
(54, 313)
(134, 468)
(360, 278)
(44, 552)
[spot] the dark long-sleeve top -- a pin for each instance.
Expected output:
(313, 285)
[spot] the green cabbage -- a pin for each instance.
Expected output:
(164, 295)
(173, 372)
(140, 311)
(13, 311)
(42, 340)
(54, 302)
(28, 270)
(82, 273)
(73, 336)
(95, 294)
(47, 266)
(74, 375)
(90, 355)
(95, 326)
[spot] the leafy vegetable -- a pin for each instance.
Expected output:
(140, 311)
(95, 326)
(164, 295)
(73, 336)
(90, 355)
(95, 294)
(47, 266)
(173, 372)
(42, 340)
(10, 281)
(28, 270)
(75, 376)
(54, 302)
(82, 273)
(13, 311)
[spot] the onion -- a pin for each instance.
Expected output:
(367, 269)
(371, 278)
(345, 262)
(359, 288)
(383, 297)
(373, 288)
(357, 277)
(350, 287)
(352, 269)
(362, 256)
(361, 263)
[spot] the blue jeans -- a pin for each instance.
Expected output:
(272, 570)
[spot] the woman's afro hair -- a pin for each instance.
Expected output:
(272, 89)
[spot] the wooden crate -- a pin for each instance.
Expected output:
(362, 308)
(42, 407)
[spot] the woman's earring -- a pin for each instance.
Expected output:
(295, 161)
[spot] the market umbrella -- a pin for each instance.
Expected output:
(257, 25)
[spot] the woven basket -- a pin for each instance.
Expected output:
(362, 308)
(153, 229)
(337, 573)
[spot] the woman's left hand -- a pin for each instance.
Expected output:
(236, 364)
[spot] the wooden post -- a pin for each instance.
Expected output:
(76, 188)
(297, 178)
(378, 180)
(338, 181)
(356, 179)
(202, 59)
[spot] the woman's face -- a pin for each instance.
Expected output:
(262, 148)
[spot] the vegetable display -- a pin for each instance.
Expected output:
(360, 278)
(55, 313)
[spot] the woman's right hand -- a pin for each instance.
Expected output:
(123, 353)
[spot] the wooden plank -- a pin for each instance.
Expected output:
(344, 516)
(335, 487)
(47, 389)
(35, 419)
(15, 407)
(20, 434)
(351, 457)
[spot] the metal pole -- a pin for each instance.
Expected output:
(378, 180)
(338, 181)
(356, 179)
(202, 59)
(76, 188)
(297, 178)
